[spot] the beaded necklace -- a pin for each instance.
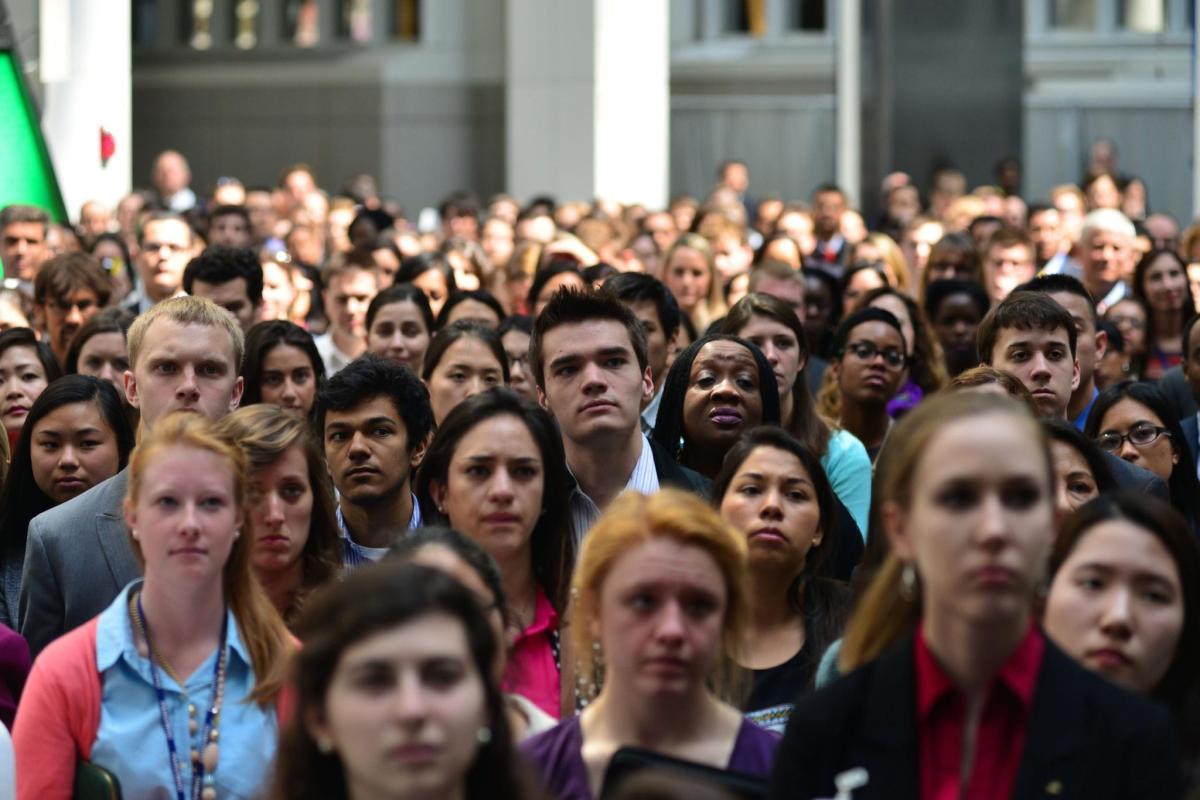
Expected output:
(204, 756)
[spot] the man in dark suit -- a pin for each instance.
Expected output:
(185, 354)
(588, 356)
(1191, 371)
(832, 250)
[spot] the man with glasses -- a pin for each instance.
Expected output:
(869, 367)
(165, 246)
(68, 290)
(1032, 336)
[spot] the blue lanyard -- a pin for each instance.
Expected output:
(198, 765)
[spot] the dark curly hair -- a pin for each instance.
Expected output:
(218, 264)
(370, 376)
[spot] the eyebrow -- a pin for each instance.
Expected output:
(789, 479)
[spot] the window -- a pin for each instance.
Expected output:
(197, 20)
(245, 24)
(302, 22)
(406, 20)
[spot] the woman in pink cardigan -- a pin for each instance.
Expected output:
(174, 685)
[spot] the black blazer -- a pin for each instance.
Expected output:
(1087, 739)
(677, 476)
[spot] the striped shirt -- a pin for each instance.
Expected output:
(584, 511)
(354, 554)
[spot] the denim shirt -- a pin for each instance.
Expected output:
(130, 741)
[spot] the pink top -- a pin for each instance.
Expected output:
(532, 671)
(58, 716)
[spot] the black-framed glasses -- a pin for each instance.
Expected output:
(866, 351)
(1141, 435)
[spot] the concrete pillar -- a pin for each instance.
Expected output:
(587, 95)
(92, 90)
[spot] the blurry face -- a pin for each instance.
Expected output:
(1045, 228)
(661, 226)
(433, 283)
(827, 213)
(494, 487)
(403, 710)
(165, 251)
(868, 371)
(980, 522)
(280, 505)
(1042, 361)
(799, 226)
(1116, 605)
(657, 342)
(65, 315)
(1088, 346)
(563, 280)
(818, 305)
(229, 230)
(1102, 255)
(1166, 285)
(731, 256)
(22, 380)
(1103, 193)
(723, 398)
(398, 332)
(687, 277)
(1126, 417)
(1073, 478)
(474, 311)
(784, 250)
(466, 368)
(948, 265)
(956, 322)
(779, 344)
(184, 368)
(103, 356)
(1006, 268)
(897, 308)
(347, 299)
(185, 517)
(278, 291)
(497, 241)
(659, 619)
(772, 501)
(1130, 318)
(860, 283)
(789, 291)
(233, 296)
(72, 450)
(288, 380)
(520, 380)
(23, 249)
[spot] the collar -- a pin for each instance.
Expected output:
(650, 412)
(414, 521)
(545, 618)
(1018, 674)
(643, 478)
(1081, 421)
(114, 634)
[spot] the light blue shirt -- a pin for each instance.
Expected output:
(355, 554)
(848, 468)
(131, 743)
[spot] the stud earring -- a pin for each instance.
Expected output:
(324, 745)
(484, 735)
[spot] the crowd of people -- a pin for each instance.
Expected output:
(303, 498)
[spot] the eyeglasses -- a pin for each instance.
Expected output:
(866, 351)
(1134, 323)
(1141, 435)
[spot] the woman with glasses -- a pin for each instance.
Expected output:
(869, 366)
(1133, 421)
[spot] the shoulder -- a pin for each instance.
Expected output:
(845, 447)
(754, 750)
(672, 474)
(1131, 716)
(556, 755)
(71, 652)
(63, 521)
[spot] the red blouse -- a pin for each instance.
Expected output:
(1000, 739)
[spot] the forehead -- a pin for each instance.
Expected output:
(722, 352)
(958, 303)
(19, 354)
(430, 636)
(1034, 335)
(83, 414)
(354, 280)
(167, 229)
(1128, 411)
(468, 349)
(167, 338)
(982, 446)
(771, 461)
(660, 560)
(286, 356)
(197, 468)
(26, 230)
(874, 331)
(235, 288)
(1123, 543)
(784, 289)
(380, 405)
(400, 311)
(502, 434)
(576, 338)
(1164, 262)
(759, 325)
(108, 341)
(1079, 308)
(894, 305)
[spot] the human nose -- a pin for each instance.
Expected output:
(410, 702)
(500, 488)
(475, 386)
(74, 315)
(994, 526)
(187, 384)
(69, 459)
(272, 508)
(1039, 365)
(1127, 451)
(358, 449)
(1117, 619)
(670, 623)
(771, 506)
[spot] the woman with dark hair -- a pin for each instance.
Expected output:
(779, 246)
(27, 367)
(76, 436)
(432, 274)
(466, 561)
(953, 256)
(472, 267)
(1080, 470)
(496, 471)
(1124, 601)
(954, 309)
(860, 278)
(98, 348)
(822, 309)
(291, 507)
(1132, 317)
(950, 688)
(770, 324)
(926, 364)
(1160, 281)
(717, 389)
(1133, 421)
(282, 367)
(869, 365)
(465, 358)
(773, 491)
(514, 334)
(477, 305)
(395, 697)
(400, 325)
(556, 275)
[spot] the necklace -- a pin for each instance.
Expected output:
(204, 755)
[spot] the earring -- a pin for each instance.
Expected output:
(324, 745)
(908, 582)
(484, 735)
(133, 533)
(236, 533)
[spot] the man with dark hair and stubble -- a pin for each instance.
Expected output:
(23, 248)
(588, 356)
(68, 291)
(374, 418)
(231, 277)
(1034, 338)
(655, 307)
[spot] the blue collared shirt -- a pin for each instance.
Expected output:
(354, 554)
(130, 741)
(1081, 421)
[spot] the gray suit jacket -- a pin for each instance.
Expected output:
(77, 560)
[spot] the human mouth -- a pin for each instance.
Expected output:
(725, 417)
(768, 535)
(415, 754)
(598, 406)
(666, 665)
(189, 551)
(275, 542)
(16, 411)
(70, 484)
(361, 472)
(1109, 659)
(994, 576)
(501, 518)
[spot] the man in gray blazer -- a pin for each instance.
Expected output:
(185, 354)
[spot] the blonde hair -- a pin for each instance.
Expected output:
(886, 613)
(633, 519)
(894, 260)
(713, 307)
(259, 624)
(186, 310)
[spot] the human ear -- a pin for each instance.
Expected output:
(895, 527)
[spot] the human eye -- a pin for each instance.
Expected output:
(785, 342)
(164, 368)
(381, 431)
(90, 444)
(1018, 356)
(29, 377)
(477, 470)
(958, 497)
(272, 378)
(750, 490)
(616, 361)
(93, 363)
(48, 445)
(166, 501)
(697, 607)
(213, 502)
(1020, 496)
(1090, 581)
(336, 436)
(491, 378)
(705, 380)
(374, 679)
(410, 331)
(1081, 487)
(293, 491)
(443, 673)
(798, 496)
(211, 370)
(746, 381)
(641, 601)
(1057, 354)
(458, 376)
(527, 472)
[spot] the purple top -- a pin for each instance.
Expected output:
(14, 669)
(555, 755)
